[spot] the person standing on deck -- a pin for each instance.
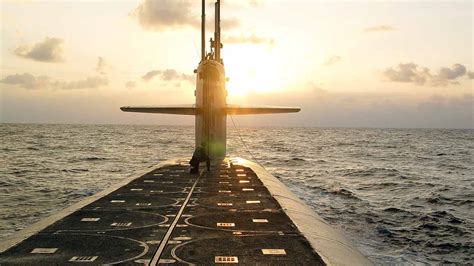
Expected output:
(200, 155)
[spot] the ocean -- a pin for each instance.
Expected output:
(402, 196)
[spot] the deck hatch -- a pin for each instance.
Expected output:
(83, 258)
(244, 181)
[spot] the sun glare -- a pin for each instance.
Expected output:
(251, 69)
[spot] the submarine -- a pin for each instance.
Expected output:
(236, 213)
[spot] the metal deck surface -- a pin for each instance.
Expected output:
(169, 216)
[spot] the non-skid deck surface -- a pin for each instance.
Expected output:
(169, 216)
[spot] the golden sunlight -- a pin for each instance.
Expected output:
(251, 69)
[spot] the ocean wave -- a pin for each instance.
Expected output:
(391, 191)
(382, 172)
(75, 170)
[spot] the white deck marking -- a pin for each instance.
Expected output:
(260, 220)
(166, 261)
(182, 238)
(87, 219)
(252, 201)
(157, 255)
(247, 189)
(225, 224)
(83, 258)
(143, 204)
(226, 259)
(121, 224)
(44, 250)
(273, 251)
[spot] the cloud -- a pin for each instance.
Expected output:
(412, 73)
(332, 60)
(449, 75)
(168, 75)
(242, 3)
(380, 28)
(230, 23)
(101, 65)
(130, 84)
(28, 81)
(408, 73)
(248, 39)
(88, 83)
(49, 50)
(158, 15)
(470, 75)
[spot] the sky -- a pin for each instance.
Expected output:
(397, 64)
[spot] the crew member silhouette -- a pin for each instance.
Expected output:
(200, 155)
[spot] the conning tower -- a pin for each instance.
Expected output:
(211, 108)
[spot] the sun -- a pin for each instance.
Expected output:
(251, 69)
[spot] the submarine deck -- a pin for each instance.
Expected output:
(169, 216)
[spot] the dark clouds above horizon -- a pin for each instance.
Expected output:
(29, 81)
(412, 73)
(49, 50)
(168, 75)
(160, 15)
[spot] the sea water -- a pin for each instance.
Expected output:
(402, 196)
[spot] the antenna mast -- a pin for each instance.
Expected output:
(203, 31)
(217, 31)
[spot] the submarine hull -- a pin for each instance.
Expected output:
(235, 213)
